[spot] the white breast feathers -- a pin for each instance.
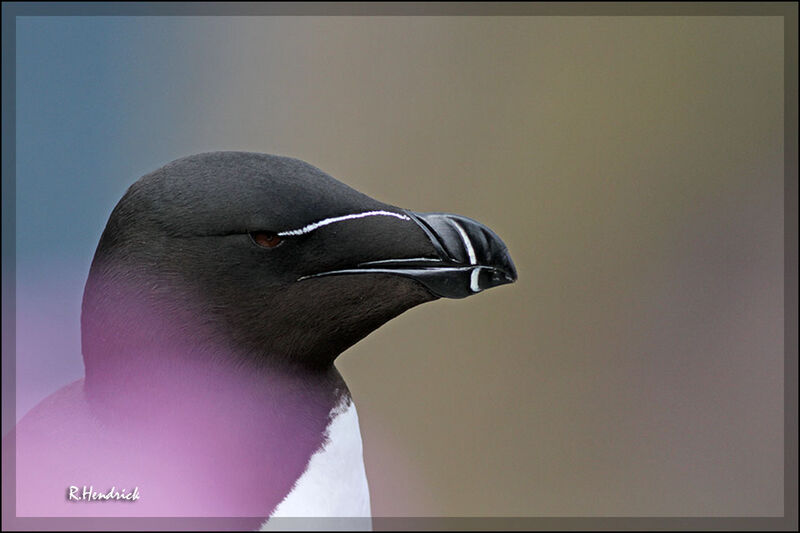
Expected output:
(334, 484)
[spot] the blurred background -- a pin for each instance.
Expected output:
(634, 166)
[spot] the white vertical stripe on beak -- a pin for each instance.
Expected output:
(473, 279)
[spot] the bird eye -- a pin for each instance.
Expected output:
(266, 239)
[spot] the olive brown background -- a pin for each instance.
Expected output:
(633, 165)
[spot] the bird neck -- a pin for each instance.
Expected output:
(250, 430)
(149, 361)
(174, 390)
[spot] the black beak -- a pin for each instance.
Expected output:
(471, 258)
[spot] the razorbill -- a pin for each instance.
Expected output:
(222, 290)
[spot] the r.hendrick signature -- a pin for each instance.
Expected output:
(88, 494)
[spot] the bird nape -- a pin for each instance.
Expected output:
(222, 290)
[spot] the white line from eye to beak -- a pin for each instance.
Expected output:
(474, 286)
(315, 225)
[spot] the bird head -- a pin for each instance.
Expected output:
(270, 259)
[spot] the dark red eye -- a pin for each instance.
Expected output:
(266, 239)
